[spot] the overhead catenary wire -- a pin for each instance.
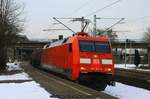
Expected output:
(75, 11)
(82, 6)
(63, 24)
(114, 24)
(137, 20)
(55, 29)
(103, 8)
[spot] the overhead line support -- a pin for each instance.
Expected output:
(63, 24)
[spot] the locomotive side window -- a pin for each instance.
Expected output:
(102, 47)
(70, 47)
(46, 46)
(86, 46)
(65, 40)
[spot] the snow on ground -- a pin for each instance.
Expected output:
(129, 66)
(27, 90)
(19, 76)
(123, 91)
(13, 66)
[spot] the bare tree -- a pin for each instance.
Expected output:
(10, 26)
(110, 33)
(146, 37)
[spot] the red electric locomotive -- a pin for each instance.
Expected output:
(81, 57)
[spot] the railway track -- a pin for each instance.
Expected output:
(133, 77)
(63, 88)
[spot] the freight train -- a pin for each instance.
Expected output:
(80, 57)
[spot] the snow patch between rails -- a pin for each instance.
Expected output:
(19, 76)
(27, 90)
(123, 91)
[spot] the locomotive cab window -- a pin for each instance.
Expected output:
(91, 46)
(102, 47)
(86, 46)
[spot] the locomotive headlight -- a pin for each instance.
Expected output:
(82, 68)
(107, 61)
(85, 60)
(109, 69)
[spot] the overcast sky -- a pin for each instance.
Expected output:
(39, 15)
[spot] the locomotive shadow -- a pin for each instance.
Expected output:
(93, 81)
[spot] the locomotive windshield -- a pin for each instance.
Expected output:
(91, 46)
(86, 46)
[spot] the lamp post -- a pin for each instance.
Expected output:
(125, 53)
(148, 55)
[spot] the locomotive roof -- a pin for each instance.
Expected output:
(100, 39)
(78, 36)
